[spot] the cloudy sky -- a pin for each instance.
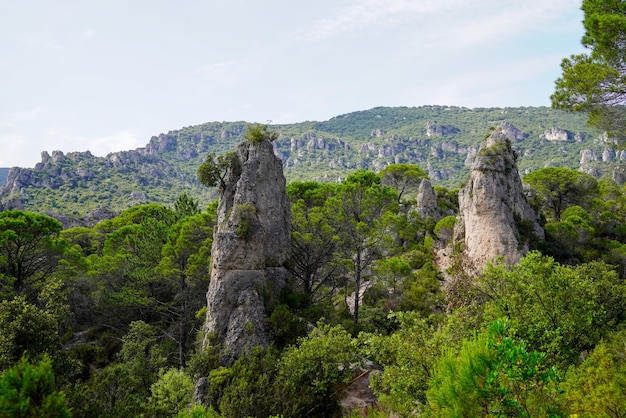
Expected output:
(105, 76)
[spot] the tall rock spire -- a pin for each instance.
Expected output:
(250, 246)
(496, 220)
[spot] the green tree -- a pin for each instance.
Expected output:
(311, 373)
(121, 388)
(30, 250)
(258, 132)
(557, 188)
(25, 328)
(392, 272)
(573, 234)
(27, 390)
(214, 170)
(492, 375)
(362, 207)
(185, 266)
(596, 388)
(405, 178)
(128, 286)
(444, 229)
(314, 239)
(186, 206)
(560, 310)
(246, 389)
(407, 356)
(595, 82)
(171, 394)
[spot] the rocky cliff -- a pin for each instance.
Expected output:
(251, 243)
(495, 217)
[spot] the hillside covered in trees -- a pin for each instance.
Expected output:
(442, 140)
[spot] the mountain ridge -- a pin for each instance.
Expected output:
(440, 139)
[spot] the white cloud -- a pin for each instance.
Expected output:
(494, 24)
(225, 73)
(14, 152)
(216, 69)
(40, 41)
(88, 33)
(13, 120)
(361, 14)
(507, 79)
(118, 141)
(434, 19)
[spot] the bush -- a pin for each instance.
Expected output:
(309, 374)
(445, 228)
(244, 217)
(172, 393)
(259, 133)
(27, 390)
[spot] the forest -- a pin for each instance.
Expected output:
(107, 321)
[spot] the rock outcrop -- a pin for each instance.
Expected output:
(435, 129)
(250, 245)
(512, 132)
(496, 220)
(556, 134)
(427, 206)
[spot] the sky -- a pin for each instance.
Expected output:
(106, 76)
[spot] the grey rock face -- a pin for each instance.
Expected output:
(608, 155)
(434, 129)
(427, 201)
(512, 132)
(587, 156)
(495, 217)
(250, 245)
(556, 134)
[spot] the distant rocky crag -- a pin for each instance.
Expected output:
(251, 244)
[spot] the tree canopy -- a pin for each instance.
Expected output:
(595, 82)
(258, 132)
(405, 178)
(558, 188)
(30, 248)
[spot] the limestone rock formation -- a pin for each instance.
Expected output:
(512, 132)
(427, 205)
(437, 130)
(250, 245)
(556, 134)
(495, 217)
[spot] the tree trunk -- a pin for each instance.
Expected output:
(357, 287)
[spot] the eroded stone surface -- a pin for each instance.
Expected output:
(250, 246)
(496, 220)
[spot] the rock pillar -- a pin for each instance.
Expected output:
(251, 243)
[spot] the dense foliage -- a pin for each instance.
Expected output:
(114, 312)
(595, 82)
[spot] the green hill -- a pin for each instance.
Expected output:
(440, 139)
